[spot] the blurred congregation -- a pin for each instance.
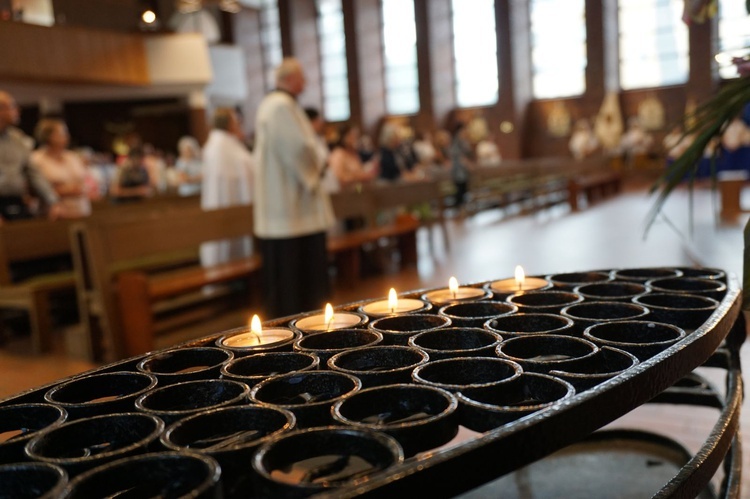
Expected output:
(164, 162)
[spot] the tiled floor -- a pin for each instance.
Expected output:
(490, 244)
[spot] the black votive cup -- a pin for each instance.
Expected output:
(703, 273)
(163, 474)
(645, 274)
(253, 369)
(230, 435)
(643, 339)
(243, 351)
(32, 481)
(542, 353)
(456, 342)
(381, 365)
(487, 408)
(607, 363)
(326, 345)
(418, 417)
(379, 450)
(308, 395)
(84, 444)
(185, 364)
(96, 394)
(598, 312)
(526, 324)
(689, 285)
(174, 402)
(611, 291)
(397, 329)
(463, 373)
(570, 280)
(682, 310)
(28, 420)
(476, 313)
(544, 302)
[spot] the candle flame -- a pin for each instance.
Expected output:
(255, 326)
(328, 316)
(392, 300)
(453, 286)
(520, 277)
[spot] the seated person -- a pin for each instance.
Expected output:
(345, 162)
(132, 181)
(62, 168)
(487, 152)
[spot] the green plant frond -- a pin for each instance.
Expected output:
(708, 121)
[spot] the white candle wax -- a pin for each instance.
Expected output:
(267, 338)
(512, 286)
(383, 307)
(442, 296)
(341, 320)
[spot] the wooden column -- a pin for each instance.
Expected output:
(425, 118)
(352, 62)
(442, 74)
(368, 24)
(702, 79)
(247, 36)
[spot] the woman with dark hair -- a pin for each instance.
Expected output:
(345, 161)
(62, 168)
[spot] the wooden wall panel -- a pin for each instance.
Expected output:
(368, 22)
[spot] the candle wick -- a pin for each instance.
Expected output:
(454, 294)
(328, 324)
(257, 336)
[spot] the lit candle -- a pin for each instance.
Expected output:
(257, 338)
(454, 293)
(519, 283)
(393, 305)
(328, 321)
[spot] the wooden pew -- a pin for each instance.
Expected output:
(731, 184)
(129, 266)
(25, 242)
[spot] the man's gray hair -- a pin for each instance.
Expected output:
(288, 66)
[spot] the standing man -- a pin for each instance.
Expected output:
(292, 210)
(16, 174)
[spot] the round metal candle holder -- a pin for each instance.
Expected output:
(483, 409)
(682, 310)
(456, 342)
(442, 297)
(20, 423)
(611, 291)
(463, 373)
(544, 302)
(644, 339)
(326, 345)
(308, 395)
(418, 417)
(607, 363)
(397, 329)
(524, 324)
(162, 474)
(96, 394)
(377, 366)
(362, 321)
(501, 289)
(80, 445)
(597, 312)
(230, 435)
(322, 459)
(542, 353)
(643, 275)
(689, 285)
(185, 364)
(32, 481)
(571, 280)
(421, 307)
(241, 351)
(174, 402)
(476, 313)
(703, 273)
(253, 369)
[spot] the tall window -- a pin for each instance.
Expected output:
(475, 52)
(400, 46)
(734, 35)
(333, 60)
(558, 48)
(270, 38)
(653, 43)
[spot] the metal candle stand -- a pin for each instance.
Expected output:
(529, 391)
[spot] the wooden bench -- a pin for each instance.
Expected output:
(26, 242)
(131, 267)
(731, 184)
(594, 186)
